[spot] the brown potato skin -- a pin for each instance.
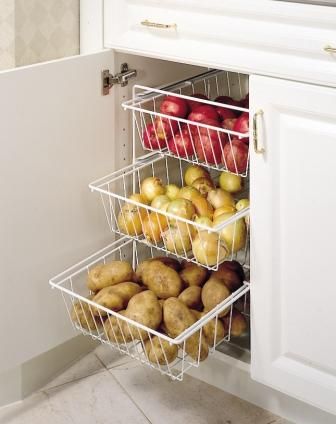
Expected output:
(193, 275)
(177, 317)
(145, 309)
(191, 297)
(213, 293)
(195, 350)
(238, 323)
(231, 273)
(104, 275)
(83, 316)
(170, 262)
(162, 280)
(115, 297)
(160, 351)
(117, 330)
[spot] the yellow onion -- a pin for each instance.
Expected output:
(177, 240)
(204, 220)
(230, 182)
(223, 209)
(208, 249)
(160, 202)
(152, 187)
(219, 198)
(242, 204)
(188, 193)
(234, 235)
(182, 208)
(130, 220)
(193, 172)
(172, 191)
(203, 207)
(153, 226)
(203, 185)
(140, 198)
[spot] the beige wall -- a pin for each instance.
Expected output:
(33, 31)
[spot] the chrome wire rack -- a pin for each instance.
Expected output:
(134, 339)
(208, 142)
(184, 238)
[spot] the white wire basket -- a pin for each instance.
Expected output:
(128, 336)
(216, 145)
(184, 238)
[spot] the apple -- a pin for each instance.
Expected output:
(175, 106)
(236, 156)
(245, 102)
(193, 104)
(209, 148)
(242, 124)
(228, 124)
(165, 127)
(225, 113)
(227, 100)
(150, 139)
(203, 112)
(181, 144)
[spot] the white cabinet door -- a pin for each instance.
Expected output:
(57, 135)
(293, 237)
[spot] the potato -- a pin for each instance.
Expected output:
(213, 293)
(192, 297)
(160, 351)
(115, 297)
(162, 280)
(177, 317)
(172, 263)
(144, 308)
(83, 316)
(231, 274)
(193, 275)
(104, 275)
(195, 349)
(238, 323)
(117, 330)
(210, 329)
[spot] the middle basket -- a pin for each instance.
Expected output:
(186, 227)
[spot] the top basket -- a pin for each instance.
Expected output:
(181, 121)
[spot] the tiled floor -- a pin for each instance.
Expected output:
(105, 387)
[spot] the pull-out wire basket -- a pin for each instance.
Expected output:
(184, 238)
(129, 337)
(216, 145)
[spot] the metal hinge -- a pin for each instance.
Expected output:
(108, 80)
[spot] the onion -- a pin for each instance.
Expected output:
(193, 172)
(152, 187)
(204, 220)
(223, 209)
(153, 226)
(188, 193)
(203, 185)
(230, 182)
(160, 202)
(182, 208)
(219, 198)
(172, 191)
(177, 240)
(130, 220)
(233, 235)
(242, 204)
(203, 207)
(208, 249)
(140, 198)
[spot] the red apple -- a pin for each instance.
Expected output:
(165, 127)
(245, 102)
(175, 106)
(236, 156)
(209, 145)
(150, 139)
(181, 144)
(228, 124)
(227, 100)
(193, 104)
(225, 113)
(203, 112)
(242, 126)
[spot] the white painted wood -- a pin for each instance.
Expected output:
(219, 371)
(260, 37)
(91, 26)
(292, 241)
(57, 135)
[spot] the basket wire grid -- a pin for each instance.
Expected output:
(159, 229)
(202, 143)
(127, 336)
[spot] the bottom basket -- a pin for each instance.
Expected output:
(171, 356)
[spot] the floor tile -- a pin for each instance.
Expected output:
(111, 357)
(97, 399)
(191, 401)
(84, 367)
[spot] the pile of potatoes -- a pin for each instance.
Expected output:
(164, 295)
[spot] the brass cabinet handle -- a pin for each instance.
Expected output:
(157, 25)
(329, 49)
(255, 132)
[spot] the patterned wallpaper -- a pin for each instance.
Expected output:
(7, 34)
(43, 29)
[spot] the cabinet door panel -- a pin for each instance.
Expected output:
(293, 240)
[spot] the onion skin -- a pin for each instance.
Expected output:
(153, 226)
(204, 220)
(152, 187)
(223, 209)
(160, 202)
(130, 220)
(203, 185)
(172, 191)
(230, 182)
(219, 198)
(234, 235)
(208, 249)
(193, 172)
(177, 240)
(181, 208)
(203, 207)
(188, 193)
(140, 198)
